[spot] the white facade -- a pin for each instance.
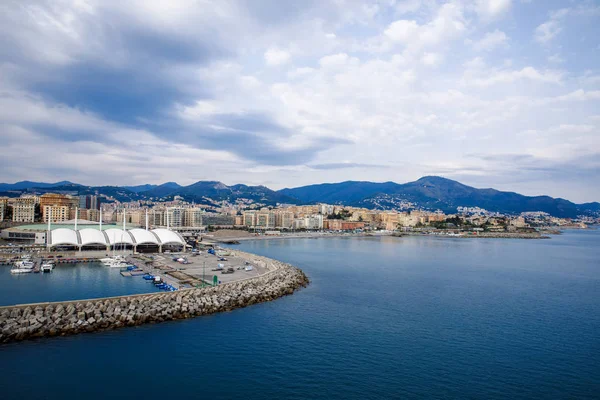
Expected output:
(175, 217)
(24, 209)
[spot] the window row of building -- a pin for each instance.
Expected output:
(53, 206)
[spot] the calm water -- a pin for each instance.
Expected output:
(383, 318)
(68, 282)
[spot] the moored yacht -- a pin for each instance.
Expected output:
(111, 261)
(21, 270)
(47, 267)
(23, 267)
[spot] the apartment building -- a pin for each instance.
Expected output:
(56, 213)
(23, 209)
(249, 218)
(284, 219)
(175, 217)
(193, 217)
(3, 207)
(54, 199)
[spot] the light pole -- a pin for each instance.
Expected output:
(203, 273)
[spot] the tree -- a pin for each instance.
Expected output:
(37, 213)
(8, 213)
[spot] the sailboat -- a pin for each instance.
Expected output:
(117, 260)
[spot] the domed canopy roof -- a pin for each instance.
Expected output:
(118, 236)
(92, 236)
(63, 236)
(112, 236)
(143, 236)
(167, 236)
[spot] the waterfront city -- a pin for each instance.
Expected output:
(267, 199)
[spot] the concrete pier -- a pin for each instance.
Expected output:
(26, 321)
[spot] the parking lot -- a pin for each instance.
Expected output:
(203, 264)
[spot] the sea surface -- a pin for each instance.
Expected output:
(68, 282)
(383, 318)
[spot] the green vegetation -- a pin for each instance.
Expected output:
(343, 214)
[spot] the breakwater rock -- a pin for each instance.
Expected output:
(26, 321)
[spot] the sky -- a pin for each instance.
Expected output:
(492, 93)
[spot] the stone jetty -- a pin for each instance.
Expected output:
(26, 321)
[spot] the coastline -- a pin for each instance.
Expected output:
(486, 235)
(27, 321)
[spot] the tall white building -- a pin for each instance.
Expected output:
(314, 221)
(175, 217)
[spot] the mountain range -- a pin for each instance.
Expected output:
(429, 192)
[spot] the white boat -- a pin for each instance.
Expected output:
(21, 270)
(25, 264)
(249, 268)
(112, 259)
(116, 264)
(47, 267)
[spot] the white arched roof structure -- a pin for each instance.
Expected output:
(167, 236)
(143, 236)
(92, 236)
(112, 236)
(118, 236)
(64, 236)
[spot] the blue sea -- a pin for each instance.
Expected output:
(68, 282)
(383, 318)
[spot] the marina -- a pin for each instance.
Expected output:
(208, 266)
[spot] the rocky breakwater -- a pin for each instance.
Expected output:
(28, 321)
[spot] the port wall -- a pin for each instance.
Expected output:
(27, 321)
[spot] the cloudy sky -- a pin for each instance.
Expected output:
(493, 93)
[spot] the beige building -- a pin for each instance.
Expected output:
(192, 217)
(389, 220)
(59, 200)
(3, 206)
(518, 222)
(284, 219)
(23, 209)
(265, 219)
(249, 218)
(89, 215)
(57, 213)
(156, 217)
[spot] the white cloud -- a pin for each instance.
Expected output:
(478, 76)
(447, 25)
(556, 59)
(302, 71)
(354, 82)
(408, 6)
(275, 57)
(580, 95)
(490, 9)
(402, 30)
(431, 59)
(334, 60)
(491, 40)
(547, 31)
